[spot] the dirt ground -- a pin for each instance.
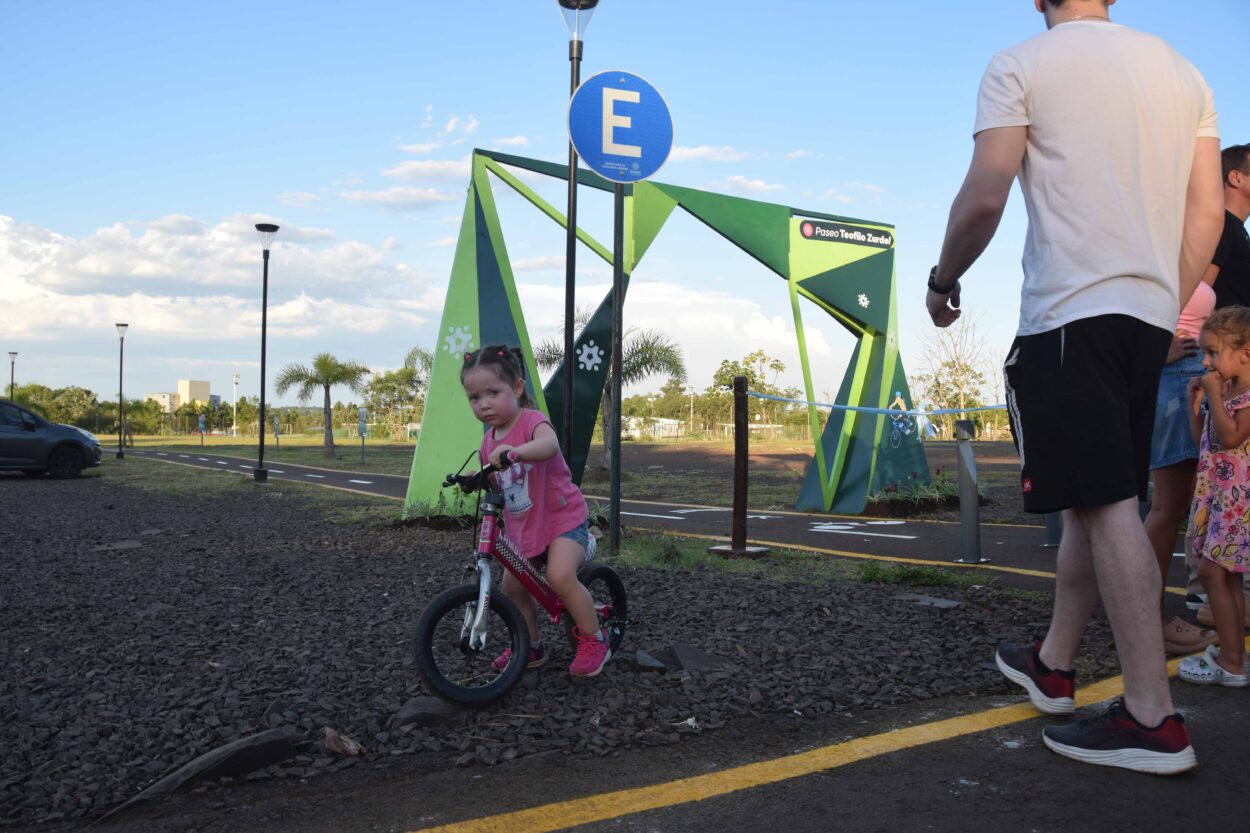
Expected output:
(702, 472)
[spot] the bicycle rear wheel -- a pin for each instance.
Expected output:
(608, 593)
(457, 672)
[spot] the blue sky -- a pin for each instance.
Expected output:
(143, 140)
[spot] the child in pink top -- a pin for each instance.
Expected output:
(544, 511)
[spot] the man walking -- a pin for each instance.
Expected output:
(1113, 136)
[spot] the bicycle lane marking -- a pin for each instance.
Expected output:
(591, 809)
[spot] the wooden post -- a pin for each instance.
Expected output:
(742, 432)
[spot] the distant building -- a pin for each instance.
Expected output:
(192, 391)
(167, 401)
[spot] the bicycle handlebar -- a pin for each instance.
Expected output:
(470, 483)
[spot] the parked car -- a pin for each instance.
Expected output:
(32, 445)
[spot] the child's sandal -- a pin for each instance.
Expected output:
(1204, 669)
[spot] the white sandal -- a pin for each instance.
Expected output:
(1204, 669)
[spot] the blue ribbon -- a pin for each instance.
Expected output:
(887, 411)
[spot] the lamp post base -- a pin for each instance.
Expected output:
(120, 455)
(260, 475)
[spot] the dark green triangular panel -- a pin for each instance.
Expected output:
(591, 366)
(758, 228)
(860, 290)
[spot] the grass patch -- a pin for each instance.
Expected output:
(907, 575)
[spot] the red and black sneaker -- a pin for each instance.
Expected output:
(1050, 690)
(1115, 738)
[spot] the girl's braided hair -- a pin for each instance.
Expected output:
(1231, 324)
(508, 363)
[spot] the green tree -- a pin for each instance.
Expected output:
(644, 353)
(325, 372)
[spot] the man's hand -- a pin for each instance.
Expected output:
(1182, 347)
(943, 309)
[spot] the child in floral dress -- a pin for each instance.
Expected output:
(1221, 510)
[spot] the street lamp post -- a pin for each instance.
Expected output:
(234, 421)
(577, 17)
(12, 364)
(266, 232)
(121, 404)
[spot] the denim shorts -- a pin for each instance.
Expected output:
(1172, 441)
(579, 535)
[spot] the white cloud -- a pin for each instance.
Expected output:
(182, 276)
(738, 184)
(400, 198)
(512, 141)
(429, 116)
(709, 327)
(419, 149)
(470, 126)
(431, 169)
(450, 126)
(722, 153)
(798, 154)
(298, 198)
(443, 242)
(537, 264)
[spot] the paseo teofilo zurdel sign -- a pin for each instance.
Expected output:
(843, 233)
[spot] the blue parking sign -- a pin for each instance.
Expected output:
(620, 126)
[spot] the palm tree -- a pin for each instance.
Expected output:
(644, 353)
(325, 372)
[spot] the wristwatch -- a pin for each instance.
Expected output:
(933, 287)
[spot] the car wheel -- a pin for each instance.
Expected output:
(33, 472)
(65, 463)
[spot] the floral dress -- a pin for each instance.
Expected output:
(1221, 512)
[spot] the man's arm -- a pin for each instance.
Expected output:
(1204, 215)
(975, 213)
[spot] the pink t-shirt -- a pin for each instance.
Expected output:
(1196, 311)
(540, 501)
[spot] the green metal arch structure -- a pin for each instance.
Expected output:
(842, 265)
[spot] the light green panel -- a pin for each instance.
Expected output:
(449, 430)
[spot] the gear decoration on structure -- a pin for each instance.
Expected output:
(459, 340)
(589, 357)
(863, 300)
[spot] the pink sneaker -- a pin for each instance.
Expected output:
(592, 653)
(538, 657)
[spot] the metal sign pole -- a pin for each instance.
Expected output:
(618, 300)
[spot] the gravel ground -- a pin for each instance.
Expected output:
(143, 629)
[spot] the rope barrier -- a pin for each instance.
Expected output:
(888, 411)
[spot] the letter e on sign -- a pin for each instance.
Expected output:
(612, 120)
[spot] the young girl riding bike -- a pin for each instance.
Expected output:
(1221, 511)
(545, 513)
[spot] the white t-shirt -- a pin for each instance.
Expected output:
(1113, 117)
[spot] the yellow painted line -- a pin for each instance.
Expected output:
(596, 808)
(898, 559)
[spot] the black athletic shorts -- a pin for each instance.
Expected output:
(1082, 402)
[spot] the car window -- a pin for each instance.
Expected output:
(10, 415)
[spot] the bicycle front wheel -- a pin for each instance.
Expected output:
(455, 670)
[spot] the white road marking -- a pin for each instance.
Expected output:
(645, 515)
(318, 476)
(850, 529)
(222, 463)
(185, 456)
(244, 466)
(161, 454)
(362, 482)
(277, 471)
(202, 459)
